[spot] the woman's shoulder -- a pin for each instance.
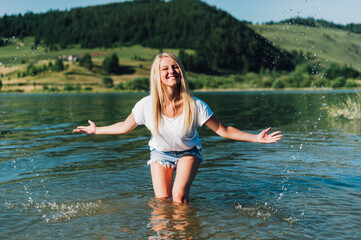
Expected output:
(143, 103)
(145, 100)
(199, 102)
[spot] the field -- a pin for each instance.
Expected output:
(17, 55)
(320, 46)
(325, 44)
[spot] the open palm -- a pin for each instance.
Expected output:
(263, 137)
(86, 129)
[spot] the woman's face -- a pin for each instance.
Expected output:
(170, 73)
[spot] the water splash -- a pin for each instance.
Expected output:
(263, 212)
(266, 212)
(54, 212)
(65, 211)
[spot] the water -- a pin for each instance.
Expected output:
(58, 185)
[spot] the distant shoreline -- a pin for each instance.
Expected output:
(233, 90)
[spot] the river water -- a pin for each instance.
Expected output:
(58, 185)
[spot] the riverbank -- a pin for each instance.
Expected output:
(231, 90)
(38, 75)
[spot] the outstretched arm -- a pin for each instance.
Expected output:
(236, 134)
(118, 128)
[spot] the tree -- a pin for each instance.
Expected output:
(86, 61)
(220, 42)
(58, 66)
(139, 84)
(111, 64)
(108, 82)
(37, 42)
(1, 85)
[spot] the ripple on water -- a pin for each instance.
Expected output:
(60, 211)
(305, 187)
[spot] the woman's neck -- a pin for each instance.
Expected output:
(173, 104)
(172, 95)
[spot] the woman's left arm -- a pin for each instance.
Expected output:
(235, 134)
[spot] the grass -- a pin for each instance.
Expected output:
(326, 44)
(136, 57)
(18, 54)
(23, 50)
(349, 109)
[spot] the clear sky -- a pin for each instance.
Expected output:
(256, 11)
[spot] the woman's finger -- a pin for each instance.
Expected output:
(266, 130)
(275, 133)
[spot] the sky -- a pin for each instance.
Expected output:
(255, 11)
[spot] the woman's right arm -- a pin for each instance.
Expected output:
(118, 128)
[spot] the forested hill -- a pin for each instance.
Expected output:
(220, 41)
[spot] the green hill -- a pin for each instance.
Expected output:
(325, 44)
(218, 50)
(221, 42)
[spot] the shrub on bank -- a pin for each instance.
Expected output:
(351, 84)
(108, 82)
(338, 83)
(86, 61)
(137, 84)
(278, 83)
(321, 82)
(71, 87)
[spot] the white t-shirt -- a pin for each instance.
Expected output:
(171, 136)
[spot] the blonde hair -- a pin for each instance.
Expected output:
(158, 94)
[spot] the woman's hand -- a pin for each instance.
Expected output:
(118, 128)
(86, 129)
(236, 134)
(263, 137)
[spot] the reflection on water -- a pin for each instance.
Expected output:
(58, 185)
(173, 221)
(350, 126)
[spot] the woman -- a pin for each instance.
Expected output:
(173, 116)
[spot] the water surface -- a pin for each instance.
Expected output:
(58, 185)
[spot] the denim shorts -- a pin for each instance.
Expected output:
(171, 158)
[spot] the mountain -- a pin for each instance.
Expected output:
(319, 41)
(221, 42)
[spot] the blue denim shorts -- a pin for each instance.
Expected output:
(171, 158)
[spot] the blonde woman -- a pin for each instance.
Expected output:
(173, 116)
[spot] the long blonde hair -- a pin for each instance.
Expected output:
(158, 94)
